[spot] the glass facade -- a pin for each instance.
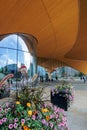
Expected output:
(15, 54)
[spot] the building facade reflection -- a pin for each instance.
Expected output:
(15, 53)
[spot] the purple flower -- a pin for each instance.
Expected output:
(44, 121)
(15, 125)
(33, 117)
(52, 116)
(51, 125)
(4, 119)
(0, 109)
(55, 128)
(16, 120)
(22, 120)
(0, 122)
(61, 124)
(10, 126)
(57, 116)
(64, 119)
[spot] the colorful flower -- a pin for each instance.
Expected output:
(28, 104)
(4, 119)
(17, 102)
(45, 110)
(16, 120)
(10, 126)
(47, 118)
(1, 122)
(1, 109)
(29, 112)
(15, 125)
(22, 120)
(33, 117)
(26, 128)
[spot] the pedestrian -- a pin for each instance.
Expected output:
(84, 79)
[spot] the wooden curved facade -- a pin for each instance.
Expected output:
(60, 26)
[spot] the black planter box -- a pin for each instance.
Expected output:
(59, 100)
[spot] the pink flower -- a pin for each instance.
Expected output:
(55, 128)
(52, 116)
(44, 121)
(33, 117)
(16, 120)
(57, 116)
(0, 109)
(22, 120)
(51, 125)
(15, 125)
(61, 124)
(4, 119)
(64, 119)
(0, 122)
(10, 126)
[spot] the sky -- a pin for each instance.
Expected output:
(9, 56)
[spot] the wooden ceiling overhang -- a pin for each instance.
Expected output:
(58, 25)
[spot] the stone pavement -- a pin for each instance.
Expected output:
(77, 114)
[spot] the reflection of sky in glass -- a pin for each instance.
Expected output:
(9, 56)
(9, 42)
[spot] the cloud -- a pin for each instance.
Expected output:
(11, 42)
(5, 60)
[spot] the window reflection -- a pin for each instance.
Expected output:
(7, 59)
(9, 42)
(13, 54)
(21, 45)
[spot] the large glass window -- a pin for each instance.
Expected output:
(14, 54)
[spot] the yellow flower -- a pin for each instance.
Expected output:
(29, 112)
(28, 104)
(47, 118)
(17, 102)
(22, 124)
(45, 110)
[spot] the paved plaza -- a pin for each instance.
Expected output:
(77, 114)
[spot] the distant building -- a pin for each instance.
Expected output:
(70, 71)
(11, 68)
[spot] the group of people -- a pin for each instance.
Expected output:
(47, 77)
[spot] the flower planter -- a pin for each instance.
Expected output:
(43, 117)
(60, 100)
